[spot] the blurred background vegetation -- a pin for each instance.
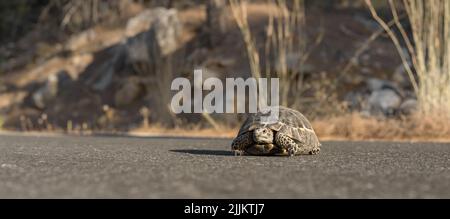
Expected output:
(88, 66)
(18, 17)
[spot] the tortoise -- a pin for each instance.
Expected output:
(291, 134)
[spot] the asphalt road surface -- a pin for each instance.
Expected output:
(120, 167)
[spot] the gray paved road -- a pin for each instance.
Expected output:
(116, 167)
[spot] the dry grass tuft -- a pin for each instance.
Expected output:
(190, 131)
(285, 42)
(240, 14)
(428, 49)
(357, 127)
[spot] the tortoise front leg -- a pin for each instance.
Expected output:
(241, 142)
(292, 147)
(284, 141)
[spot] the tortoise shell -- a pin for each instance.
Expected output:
(290, 122)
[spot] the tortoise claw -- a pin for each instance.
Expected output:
(238, 153)
(291, 152)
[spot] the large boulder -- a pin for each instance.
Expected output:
(384, 102)
(152, 35)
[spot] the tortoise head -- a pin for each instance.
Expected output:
(263, 135)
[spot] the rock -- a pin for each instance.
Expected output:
(408, 107)
(51, 88)
(105, 79)
(142, 22)
(381, 98)
(385, 98)
(166, 32)
(46, 93)
(148, 53)
(102, 77)
(385, 102)
(153, 34)
(131, 90)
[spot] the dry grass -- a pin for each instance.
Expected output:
(193, 131)
(358, 127)
(285, 36)
(285, 40)
(348, 127)
(240, 13)
(428, 49)
(344, 127)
